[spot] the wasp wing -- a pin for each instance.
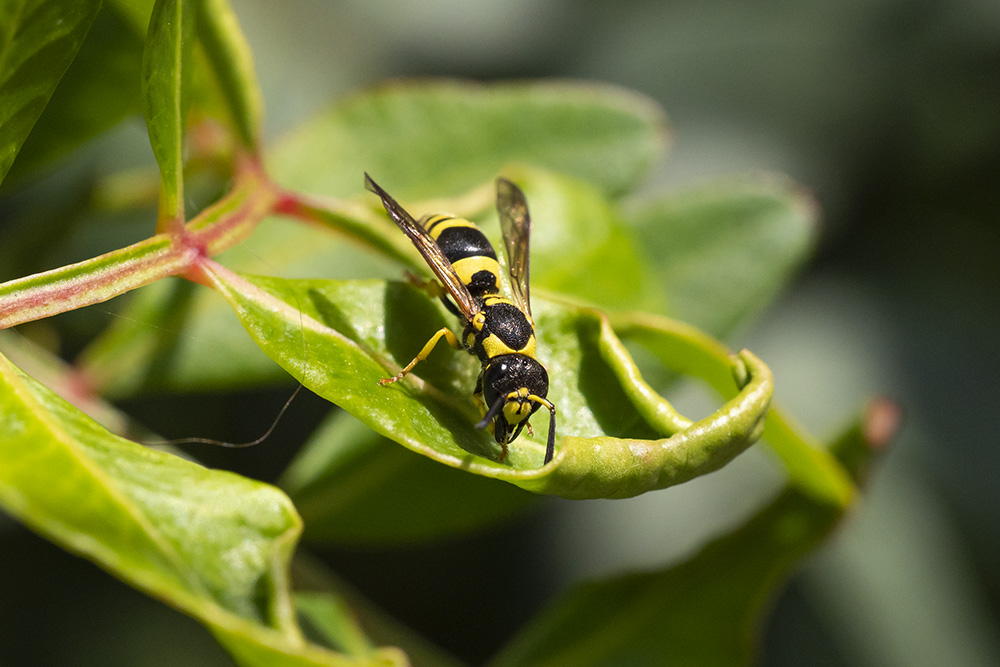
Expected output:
(515, 225)
(429, 249)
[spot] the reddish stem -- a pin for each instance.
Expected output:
(178, 251)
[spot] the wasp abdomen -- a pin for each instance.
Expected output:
(468, 251)
(459, 239)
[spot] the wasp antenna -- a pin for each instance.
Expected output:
(494, 409)
(231, 445)
(550, 446)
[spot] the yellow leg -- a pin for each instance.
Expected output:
(424, 353)
(478, 399)
(432, 287)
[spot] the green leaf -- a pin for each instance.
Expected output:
(38, 41)
(59, 376)
(99, 89)
(174, 337)
(335, 620)
(340, 338)
(342, 617)
(212, 544)
(573, 219)
(353, 486)
(634, 136)
(232, 61)
(166, 75)
(570, 217)
(703, 611)
(135, 12)
(684, 349)
(723, 252)
(440, 138)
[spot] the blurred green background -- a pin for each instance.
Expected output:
(888, 112)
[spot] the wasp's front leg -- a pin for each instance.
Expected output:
(444, 332)
(477, 396)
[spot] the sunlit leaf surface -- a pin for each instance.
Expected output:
(213, 544)
(617, 437)
(438, 138)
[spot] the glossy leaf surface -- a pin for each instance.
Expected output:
(80, 110)
(213, 544)
(166, 79)
(38, 41)
(340, 338)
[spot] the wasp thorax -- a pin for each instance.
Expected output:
(505, 330)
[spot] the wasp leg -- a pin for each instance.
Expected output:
(433, 289)
(424, 353)
(477, 396)
(431, 286)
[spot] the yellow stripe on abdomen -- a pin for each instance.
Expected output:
(470, 266)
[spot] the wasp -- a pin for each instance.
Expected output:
(499, 331)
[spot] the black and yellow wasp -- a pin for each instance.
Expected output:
(500, 332)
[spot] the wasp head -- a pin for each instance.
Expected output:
(514, 386)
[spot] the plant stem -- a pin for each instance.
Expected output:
(178, 251)
(357, 222)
